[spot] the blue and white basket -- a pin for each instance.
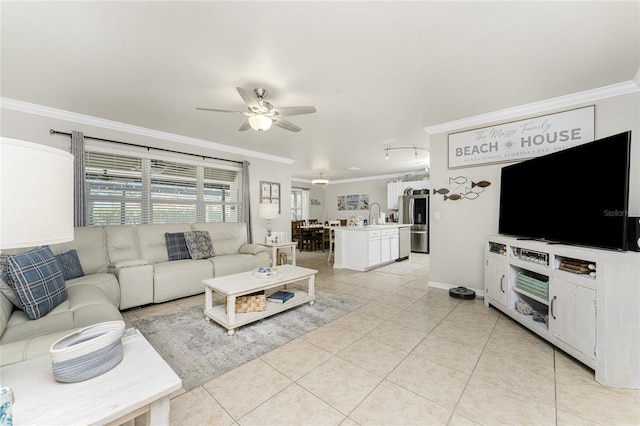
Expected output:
(88, 352)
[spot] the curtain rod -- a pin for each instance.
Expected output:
(55, 132)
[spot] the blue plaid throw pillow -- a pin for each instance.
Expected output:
(37, 280)
(70, 265)
(176, 246)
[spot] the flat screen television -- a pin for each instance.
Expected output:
(579, 195)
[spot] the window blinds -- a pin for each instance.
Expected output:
(129, 190)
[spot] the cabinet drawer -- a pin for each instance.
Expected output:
(389, 231)
(373, 234)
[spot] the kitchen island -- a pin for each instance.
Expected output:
(362, 248)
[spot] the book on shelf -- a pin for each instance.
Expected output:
(280, 296)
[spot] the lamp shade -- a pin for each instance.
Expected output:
(36, 194)
(260, 122)
(268, 211)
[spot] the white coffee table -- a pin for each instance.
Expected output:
(140, 385)
(245, 283)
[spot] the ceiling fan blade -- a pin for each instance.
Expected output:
(245, 126)
(248, 98)
(295, 110)
(281, 122)
(220, 110)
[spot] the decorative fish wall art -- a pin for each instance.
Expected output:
(459, 188)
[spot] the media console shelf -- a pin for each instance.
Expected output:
(587, 301)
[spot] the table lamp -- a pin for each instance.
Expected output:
(36, 194)
(268, 211)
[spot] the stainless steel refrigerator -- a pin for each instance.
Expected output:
(414, 210)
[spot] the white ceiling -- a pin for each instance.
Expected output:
(376, 71)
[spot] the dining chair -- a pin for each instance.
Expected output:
(331, 237)
(304, 238)
(296, 232)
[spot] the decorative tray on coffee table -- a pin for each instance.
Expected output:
(265, 272)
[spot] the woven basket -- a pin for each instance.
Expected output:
(88, 352)
(255, 302)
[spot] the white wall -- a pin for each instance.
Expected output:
(328, 196)
(35, 128)
(457, 238)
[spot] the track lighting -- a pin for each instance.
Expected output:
(413, 147)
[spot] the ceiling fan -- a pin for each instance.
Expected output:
(261, 114)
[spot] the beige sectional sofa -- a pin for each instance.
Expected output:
(124, 267)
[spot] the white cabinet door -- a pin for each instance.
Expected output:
(374, 251)
(385, 248)
(395, 247)
(496, 281)
(392, 196)
(572, 315)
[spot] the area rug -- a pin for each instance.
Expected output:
(399, 268)
(199, 351)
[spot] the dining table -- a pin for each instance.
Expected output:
(316, 230)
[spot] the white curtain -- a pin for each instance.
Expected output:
(306, 203)
(79, 203)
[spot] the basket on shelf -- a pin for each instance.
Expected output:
(88, 352)
(254, 302)
(532, 285)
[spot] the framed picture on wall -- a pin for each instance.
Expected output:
(265, 189)
(270, 193)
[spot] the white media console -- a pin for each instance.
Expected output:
(591, 296)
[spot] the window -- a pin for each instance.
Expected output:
(114, 189)
(123, 190)
(299, 203)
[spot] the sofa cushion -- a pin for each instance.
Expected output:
(25, 338)
(227, 237)
(37, 281)
(151, 240)
(70, 265)
(180, 278)
(106, 282)
(199, 244)
(6, 309)
(233, 264)
(89, 242)
(121, 243)
(177, 246)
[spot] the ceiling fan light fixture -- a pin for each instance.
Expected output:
(260, 122)
(320, 182)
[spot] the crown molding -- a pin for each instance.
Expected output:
(362, 179)
(510, 114)
(20, 106)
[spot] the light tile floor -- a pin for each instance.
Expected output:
(411, 355)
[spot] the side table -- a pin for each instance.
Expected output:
(277, 246)
(140, 385)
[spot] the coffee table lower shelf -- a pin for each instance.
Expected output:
(219, 315)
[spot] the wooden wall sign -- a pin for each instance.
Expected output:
(522, 139)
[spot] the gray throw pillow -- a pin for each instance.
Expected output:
(70, 265)
(199, 244)
(5, 283)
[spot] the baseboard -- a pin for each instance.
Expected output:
(445, 286)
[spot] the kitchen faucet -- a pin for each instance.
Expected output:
(377, 217)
